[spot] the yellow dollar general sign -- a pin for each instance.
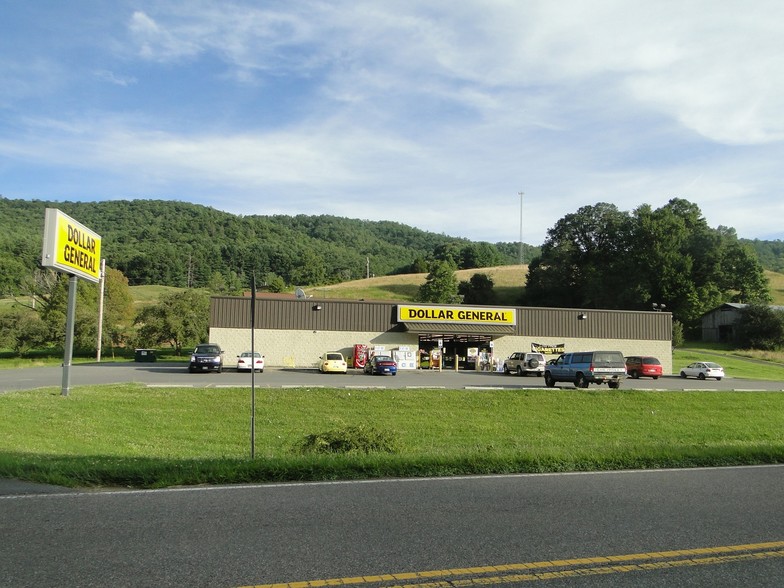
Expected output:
(71, 247)
(456, 314)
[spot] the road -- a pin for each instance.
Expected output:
(700, 527)
(176, 374)
(639, 528)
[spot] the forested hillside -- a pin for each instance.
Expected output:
(186, 245)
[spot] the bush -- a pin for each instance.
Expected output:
(359, 439)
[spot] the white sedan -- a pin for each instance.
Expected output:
(250, 361)
(702, 370)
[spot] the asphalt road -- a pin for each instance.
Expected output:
(176, 374)
(701, 527)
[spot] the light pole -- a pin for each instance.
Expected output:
(521, 227)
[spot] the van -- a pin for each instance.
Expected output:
(587, 367)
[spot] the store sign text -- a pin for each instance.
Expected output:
(456, 314)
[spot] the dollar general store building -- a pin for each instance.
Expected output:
(293, 332)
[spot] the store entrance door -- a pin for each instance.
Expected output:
(465, 349)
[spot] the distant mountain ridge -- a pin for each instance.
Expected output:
(175, 243)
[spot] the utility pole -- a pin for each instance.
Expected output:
(521, 227)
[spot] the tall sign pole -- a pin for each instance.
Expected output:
(101, 288)
(69, 336)
(253, 365)
(72, 248)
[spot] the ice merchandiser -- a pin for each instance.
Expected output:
(405, 358)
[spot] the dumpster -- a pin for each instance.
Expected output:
(145, 355)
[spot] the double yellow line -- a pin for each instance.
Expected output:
(548, 570)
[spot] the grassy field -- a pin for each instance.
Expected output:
(132, 436)
(509, 281)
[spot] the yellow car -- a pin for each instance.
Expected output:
(333, 362)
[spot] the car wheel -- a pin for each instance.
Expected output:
(506, 370)
(581, 381)
(220, 369)
(634, 375)
(261, 371)
(718, 379)
(548, 380)
(519, 371)
(190, 369)
(614, 384)
(683, 374)
(701, 376)
(655, 377)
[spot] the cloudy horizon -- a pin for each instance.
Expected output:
(436, 115)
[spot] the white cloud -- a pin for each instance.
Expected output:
(444, 110)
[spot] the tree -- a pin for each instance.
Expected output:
(601, 257)
(275, 283)
(178, 319)
(440, 284)
(478, 290)
(118, 309)
(23, 330)
(479, 255)
(761, 327)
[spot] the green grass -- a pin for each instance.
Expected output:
(132, 436)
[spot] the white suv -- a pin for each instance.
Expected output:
(523, 364)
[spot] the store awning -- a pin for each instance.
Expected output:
(457, 328)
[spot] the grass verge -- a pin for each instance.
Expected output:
(132, 436)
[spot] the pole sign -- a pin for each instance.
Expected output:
(71, 247)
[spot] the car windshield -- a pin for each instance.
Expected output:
(606, 357)
(334, 356)
(713, 366)
(383, 358)
(249, 354)
(207, 349)
(651, 360)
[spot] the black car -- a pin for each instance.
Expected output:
(206, 357)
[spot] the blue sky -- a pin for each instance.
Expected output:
(434, 114)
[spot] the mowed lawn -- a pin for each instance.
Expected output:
(133, 436)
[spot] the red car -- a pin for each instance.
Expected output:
(638, 366)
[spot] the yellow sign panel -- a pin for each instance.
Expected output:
(71, 247)
(456, 314)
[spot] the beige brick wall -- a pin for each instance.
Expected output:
(303, 348)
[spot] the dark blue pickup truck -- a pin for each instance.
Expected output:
(587, 367)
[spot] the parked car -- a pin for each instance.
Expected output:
(522, 364)
(587, 367)
(250, 361)
(702, 370)
(333, 362)
(381, 365)
(638, 366)
(206, 357)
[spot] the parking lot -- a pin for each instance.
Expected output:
(176, 374)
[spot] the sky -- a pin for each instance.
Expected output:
(435, 114)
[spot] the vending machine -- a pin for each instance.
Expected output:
(405, 358)
(360, 355)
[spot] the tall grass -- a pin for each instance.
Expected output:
(128, 435)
